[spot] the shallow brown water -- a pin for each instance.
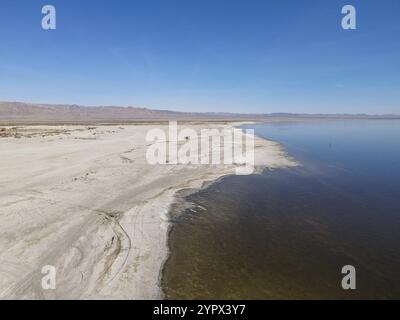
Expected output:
(286, 235)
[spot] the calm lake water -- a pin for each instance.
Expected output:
(287, 233)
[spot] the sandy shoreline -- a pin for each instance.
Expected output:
(85, 200)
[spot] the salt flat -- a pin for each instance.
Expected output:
(85, 200)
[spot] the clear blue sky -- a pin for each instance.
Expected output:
(204, 55)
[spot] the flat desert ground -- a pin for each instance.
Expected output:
(85, 200)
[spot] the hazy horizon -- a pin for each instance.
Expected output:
(200, 112)
(36, 104)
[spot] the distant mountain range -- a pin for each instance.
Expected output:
(18, 112)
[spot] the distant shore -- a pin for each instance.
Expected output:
(22, 113)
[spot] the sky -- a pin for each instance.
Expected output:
(204, 55)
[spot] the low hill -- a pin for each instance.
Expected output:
(19, 112)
